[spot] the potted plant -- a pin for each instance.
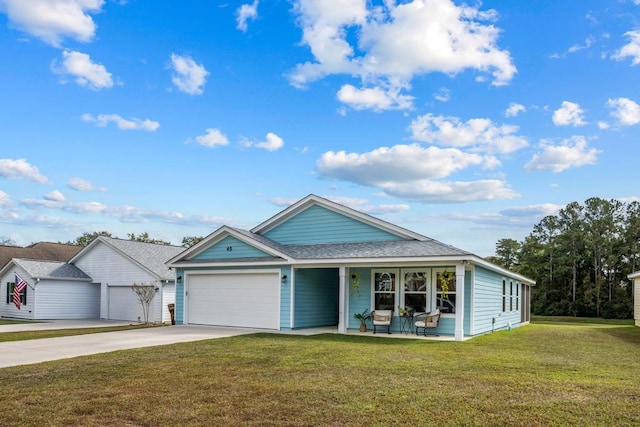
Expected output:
(362, 317)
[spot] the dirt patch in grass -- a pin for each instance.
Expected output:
(537, 375)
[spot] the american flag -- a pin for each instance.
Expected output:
(17, 290)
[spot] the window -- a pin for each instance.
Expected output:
(504, 295)
(517, 296)
(510, 296)
(446, 291)
(384, 290)
(416, 288)
(23, 296)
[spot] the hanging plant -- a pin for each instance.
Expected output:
(445, 281)
(355, 284)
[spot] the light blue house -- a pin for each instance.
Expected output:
(317, 263)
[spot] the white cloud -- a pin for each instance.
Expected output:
(53, 20)
(79, 184)
(569, 114)
(626, 111)
(413, 172)
(443, 94)
(5, 200)
(394, 43)
(364, 205)
(188, 76)
(86, 73)
(602, 125)
(55, 196)
(245, 13)
(588, 42)
(376, 98)
(427, 191)
(272, 143)
(532, 211)
(103, 120)
(514, 109)
(20, 168)
(398, 41)
(396, 164)
(631, 49)
(212, 138)
(571, 153)
(480, 134)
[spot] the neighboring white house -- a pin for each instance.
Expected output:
(114, 265)
(54, 290)
(636, 296)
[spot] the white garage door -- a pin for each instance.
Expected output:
(124, 305)
(242, 300)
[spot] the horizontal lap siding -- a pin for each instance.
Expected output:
(316, 298)
(488, 302)
(321, 225)
(362, 300)
(230, 248)
(67, 300)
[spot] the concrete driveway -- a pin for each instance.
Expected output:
(47, 349)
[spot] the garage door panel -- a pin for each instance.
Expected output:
(241, 300)
(124, 305)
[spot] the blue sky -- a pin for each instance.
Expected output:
(464, 122)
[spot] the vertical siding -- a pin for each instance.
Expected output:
(229, 248)
(316, 298)
(320, 225)
(488, 302)
(107, 266)
(67, 300)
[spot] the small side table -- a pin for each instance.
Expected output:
(406, 324)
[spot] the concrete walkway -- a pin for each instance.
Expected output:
(16, 353)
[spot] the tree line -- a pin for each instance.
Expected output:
(86, 238)
(580, 259)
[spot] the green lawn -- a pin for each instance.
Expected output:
(537, 375)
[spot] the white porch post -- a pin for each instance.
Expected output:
(459, 330)
(342, 302)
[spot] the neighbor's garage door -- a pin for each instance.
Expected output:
(124, 305)
(243, 300)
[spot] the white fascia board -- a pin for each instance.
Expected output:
(633, 275)
(313, 200)
(230, 264)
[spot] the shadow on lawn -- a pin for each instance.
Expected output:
(629, 334)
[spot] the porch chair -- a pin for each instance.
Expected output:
(427, 320)
(382, 318)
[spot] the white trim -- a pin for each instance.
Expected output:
(396, 291)
(429, 288)
(459, 328)
(342, 301)
(292, 295)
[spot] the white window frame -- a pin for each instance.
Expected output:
(434, 281)
(396, 291)
(428, 285)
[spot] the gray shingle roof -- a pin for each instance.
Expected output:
(51, 269)
(150, 255)
(41, 250)
(388, 249)
(382, 249)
